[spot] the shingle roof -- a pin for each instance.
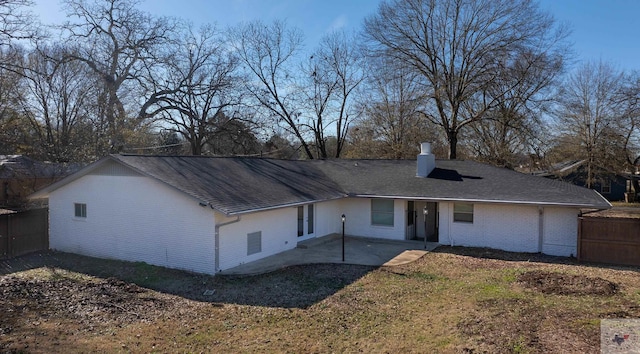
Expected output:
(235, 185)
(20, 166)
(455, 180)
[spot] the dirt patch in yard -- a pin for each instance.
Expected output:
(451, 301)
(485, 255)
(89, 303)
(567, 284)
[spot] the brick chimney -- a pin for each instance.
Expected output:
(426, 161)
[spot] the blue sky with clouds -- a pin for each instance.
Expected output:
(606, 30)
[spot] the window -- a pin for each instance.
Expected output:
(300, 221)
(310, 219)
(382, 212)
(254, 243)
(605, 188)
(463, 212)
(80, 210)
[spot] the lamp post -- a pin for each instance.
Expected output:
(343, 219)
(425, 212)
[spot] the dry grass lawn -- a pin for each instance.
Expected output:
(452, 300)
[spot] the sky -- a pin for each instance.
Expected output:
(606, 30)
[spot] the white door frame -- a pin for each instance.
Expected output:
(308, 222)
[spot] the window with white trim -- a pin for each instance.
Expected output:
(80, 210)
(463, 212)
(382, 212)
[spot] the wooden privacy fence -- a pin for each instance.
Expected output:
(24, 232)
(609, 240)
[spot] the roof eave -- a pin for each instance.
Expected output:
(606, 205)
(287, 205)
(200, 201)
(46, 191)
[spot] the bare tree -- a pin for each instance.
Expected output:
(332, 74)
(16, 22)
(199, 82)
(58, 103)
(13, 130)
(629, 125)
(233, 137)
(17, 26)
(514, 127)
(268, 53)
(318, 87)
(459, 48)
(588, 117)
(391, 125)
(116, 41)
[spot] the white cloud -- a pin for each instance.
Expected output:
(338, 23)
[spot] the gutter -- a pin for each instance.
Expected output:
(490, 201)
(540, 228)
(282, 206)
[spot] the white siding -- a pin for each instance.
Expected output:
(328, 218)
(135, 219)
(506, 227)
(560, 231)
(279, 233)
(358, 219)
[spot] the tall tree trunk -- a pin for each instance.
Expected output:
(453, 144)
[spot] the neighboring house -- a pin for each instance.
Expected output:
(20, 176)
(207, 214)
(613, 186)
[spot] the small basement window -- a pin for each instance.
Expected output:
(382, 212)
(254, 243)
(463, 212)
(80, 210)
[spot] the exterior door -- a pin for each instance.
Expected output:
(427, 225)
(411, 221)
(306, 221)
(432, 222)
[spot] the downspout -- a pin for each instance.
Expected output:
(540, 228)
(217, 240)
(449, 222)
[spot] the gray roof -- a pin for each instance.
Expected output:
(455, 180)
(236, 185)
(20, 166)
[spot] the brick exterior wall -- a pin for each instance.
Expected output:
(133, 218)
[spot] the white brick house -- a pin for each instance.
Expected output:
(207, 214)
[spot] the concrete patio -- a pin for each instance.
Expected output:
(328, 249)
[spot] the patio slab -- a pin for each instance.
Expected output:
(328, 249)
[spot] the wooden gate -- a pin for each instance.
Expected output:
(609, 240)
(24, 232)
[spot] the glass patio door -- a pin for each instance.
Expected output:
(306, 221)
